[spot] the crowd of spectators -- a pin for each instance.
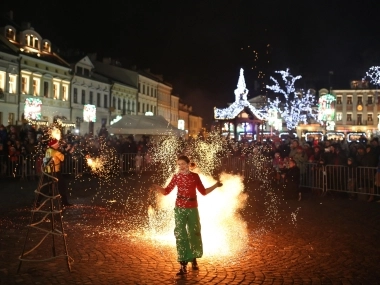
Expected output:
(28, 141)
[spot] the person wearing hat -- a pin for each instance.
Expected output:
(52, 153)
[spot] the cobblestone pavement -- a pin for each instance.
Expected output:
(320, 240)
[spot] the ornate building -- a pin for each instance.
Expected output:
(38, 82)
(240, 120)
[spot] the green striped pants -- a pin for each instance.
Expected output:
(187, 233)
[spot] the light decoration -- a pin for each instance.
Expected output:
(313, 134)
(326, 111)
(65, 124)
(355, 136)
(333, 135)
(297, 106)
(273, 120)
(32, 109)
(89, 113)
(118, 118)
(374, 75)
(240, 103)
(181, 124)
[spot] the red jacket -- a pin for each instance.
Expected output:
(187, 185)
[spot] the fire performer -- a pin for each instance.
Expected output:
(52, 153)
(187, 229)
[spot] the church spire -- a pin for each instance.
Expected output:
(241, 91)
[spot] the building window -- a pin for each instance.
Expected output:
(118, 104)
(139, 88)
(46, 47)
(46, 89)
(114, 102)
(56, 90)
(11, 118)
(151, 91)
(2, 81)
(147, 90)
(129, 105)
(64, 92)
(24, 85)
(79, 70)
(86, 72)
(349, 100)
(31, 41)
(36, 87)
(369, 118)
(338, 116)
(105, 101)
(12, 84)
(143, 89)
(349, 117)
(360, 100)
(339, 100)
(359, 119)
(143, 107)
(10, 34)
(75, 97)
(138, 107)
(91, 98)
(83, 99)
(369, 100)
(98, 99)
(133, 106)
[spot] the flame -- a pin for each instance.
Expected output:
(55, 133)
(224, 233)
(96, 164)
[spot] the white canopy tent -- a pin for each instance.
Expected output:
(144, 125)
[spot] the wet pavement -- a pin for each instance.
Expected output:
(319, 240)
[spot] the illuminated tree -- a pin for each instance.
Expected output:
(374, 75)
(295, 106)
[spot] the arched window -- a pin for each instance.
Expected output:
(46, 46)
(10, 34)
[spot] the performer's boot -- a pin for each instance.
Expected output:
(183, 269)
(194, 264)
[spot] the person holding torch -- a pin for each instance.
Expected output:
(187, 229)
(52, 153)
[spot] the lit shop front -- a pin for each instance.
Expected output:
(355, 136)
(313, 136)
(336, 136)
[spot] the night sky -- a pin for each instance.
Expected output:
(200, 46)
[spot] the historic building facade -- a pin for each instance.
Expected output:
(40, 87)
(9, 74)
(90, 97)
(41, 79)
